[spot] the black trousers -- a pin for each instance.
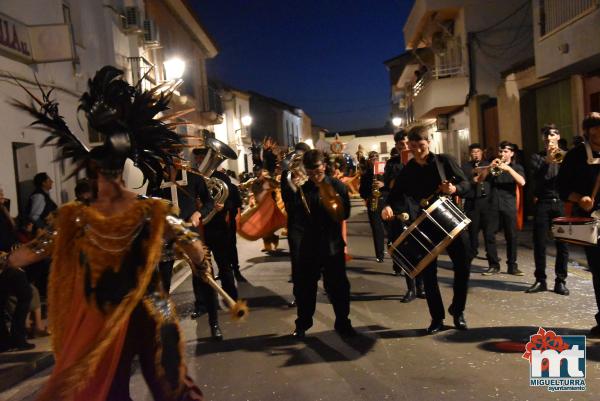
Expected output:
(377, 230)
(545, 211)
(294, 240)
(509, 224)
(335, 282)
(221, 248)
(13, 282)
(478, 211)
(592, 254)
(206, 296)
(459, 253)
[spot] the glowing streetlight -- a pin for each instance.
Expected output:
(246, 121)
(174, 68)
(397, 121)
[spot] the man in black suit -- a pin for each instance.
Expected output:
(424, 175)
(548, 206)
(503, 206)
(477, 204)
(294, 208)
(369, 182)
(393, 167)
(186, 196)
(322, 247)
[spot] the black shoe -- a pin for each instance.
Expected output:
(561, 288)
(292, 304)
(421, 293)
(491, 271)
(197, 313)
(594, 332)
(238, 277)
(215, 332)
(346, 331)
(23, 346)
(538, 286)
(459, 322)
(290, 280)
(435, 326)
(379, 260)
(217, 277)
(516, 272)
(408, 297)
(299, 334)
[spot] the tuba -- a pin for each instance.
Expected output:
(217, 153)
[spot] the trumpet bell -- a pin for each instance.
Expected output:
(217, 152)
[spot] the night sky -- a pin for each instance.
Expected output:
(324, 56)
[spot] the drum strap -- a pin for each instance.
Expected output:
(440, 168)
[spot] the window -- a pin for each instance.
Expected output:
(554, 14)
(383, 147)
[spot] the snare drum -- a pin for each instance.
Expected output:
(428, 236)
(576, 230)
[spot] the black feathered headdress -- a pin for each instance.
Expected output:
(126, 118)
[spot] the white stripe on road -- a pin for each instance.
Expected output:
(186, 271)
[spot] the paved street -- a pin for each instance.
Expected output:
(392, 359)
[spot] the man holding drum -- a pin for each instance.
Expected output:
(578, 182)
(424, 177)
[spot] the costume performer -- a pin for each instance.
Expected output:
(424, 175)
(578, 182)
(106, 302)
(548, 206)
(322, 246)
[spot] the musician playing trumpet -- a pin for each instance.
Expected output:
(504, 175)
(428, 173)
(579, 182)
(545, 168)
(370, 189)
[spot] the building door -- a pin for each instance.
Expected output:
(553, 105)
(25, 169)
(491, 129)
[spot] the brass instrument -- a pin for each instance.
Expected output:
(332, 201)
(375, 195)
(296, 167)
(555, 153)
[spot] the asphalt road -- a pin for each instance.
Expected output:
(392, 358)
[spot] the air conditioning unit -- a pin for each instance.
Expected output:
(132, 18)
(151, 37)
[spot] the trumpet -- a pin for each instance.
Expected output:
(494, 167)
(555, 153)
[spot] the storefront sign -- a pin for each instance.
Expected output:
(14, 38)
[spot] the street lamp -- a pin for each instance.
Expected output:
(397, 121)
(174, 68)
(246, 121)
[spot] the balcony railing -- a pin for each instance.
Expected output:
(142, 69)
(554, 14)
(211, 100)
(438, 72)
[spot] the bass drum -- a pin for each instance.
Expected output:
(428, 236)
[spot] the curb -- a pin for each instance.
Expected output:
(12, 375)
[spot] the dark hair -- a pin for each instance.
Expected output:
(301, 146)
(82, 187)
(400, 135)
(578, 140)
(475, 146)
(546, 129)
(506, 144)
(312, 157)
(394, 152)
(590, 121)
(418, 133)
(39, 179)
(200, 151)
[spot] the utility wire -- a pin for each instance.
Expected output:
(522, 6)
